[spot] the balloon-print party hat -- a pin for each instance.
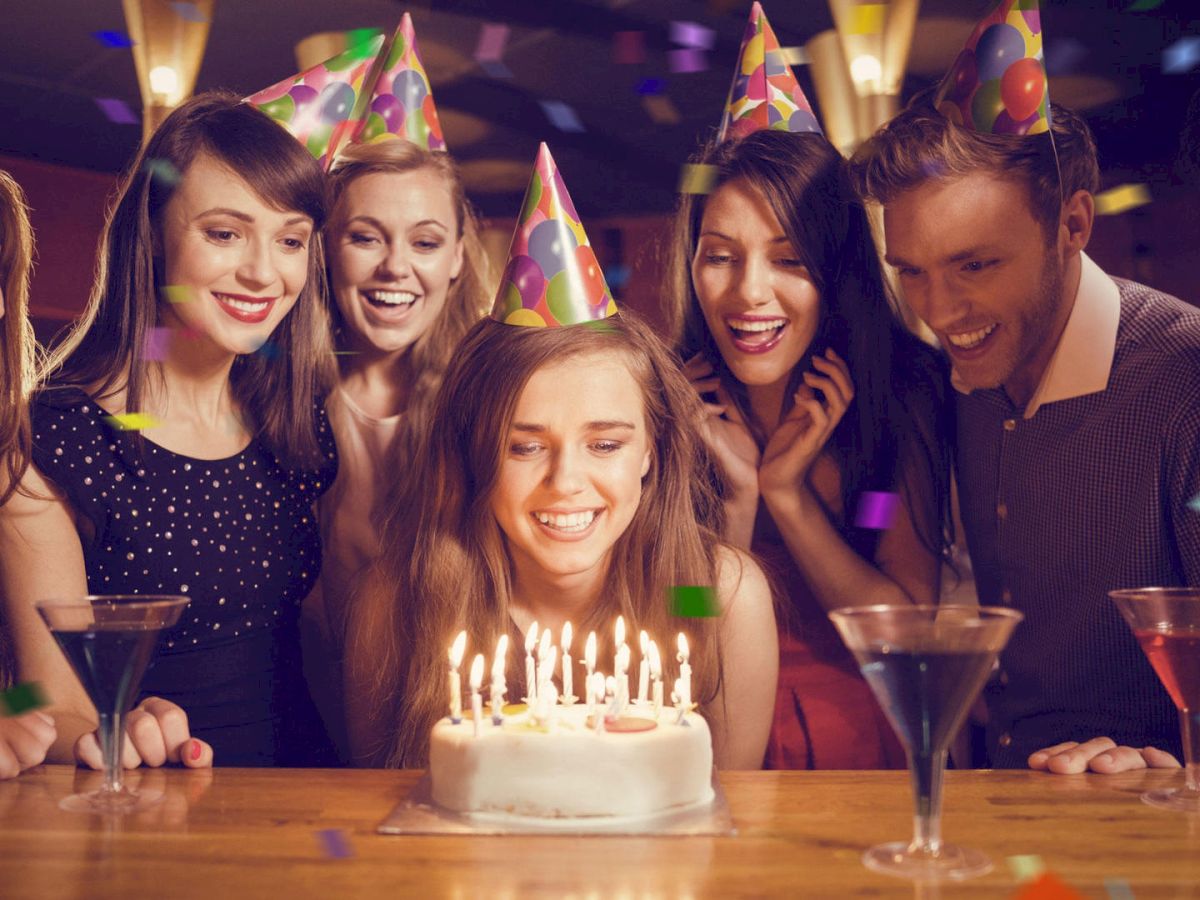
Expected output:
(401, 104)
(764, 93)
(998, 83)
(316, 106)
(552, 278)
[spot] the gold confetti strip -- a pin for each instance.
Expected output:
(867, 18)
(661, 110)
(1122, 198)
(133, 421)
(178, 293)
(789, 56)
(697, 179)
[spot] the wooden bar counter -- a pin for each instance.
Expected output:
(234, 833)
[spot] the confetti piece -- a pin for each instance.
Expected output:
(492, 39)
(651, 86)
(188, 11)
(1122, 198)
(1025, 868)
(1182, 56)
(1194, 504)
(157, 342)
(1118, 889)
(617, 277)
(561, 115)
(693, 601)
(162, 171)
(22, 698)
(868, 18)
(1064, 55)
(496, 69)
(1145, 5)
(687, 60)
(178, 293)
(788, 56)
(697, 179)
(133, 421)
(335, 843)
(1048, 887)
(117, 111)
(113, 38)
(692, 34)
(661, 110)
(876, 510)
(629, 48)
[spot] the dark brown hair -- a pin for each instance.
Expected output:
(276, 388)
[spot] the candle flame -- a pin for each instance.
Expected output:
(500, 663)
(544, 645)
(477, 672)
(620, 630)
(589, 651)
(531, 638)
(566, 638)
(683, 647)
(622, 658)
(457, 649)
(655, 661)
(644, 642)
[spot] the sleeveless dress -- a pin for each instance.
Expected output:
(237, 535)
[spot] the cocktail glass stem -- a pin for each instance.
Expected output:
(927, 771)
(1189, 726)
(111, 739)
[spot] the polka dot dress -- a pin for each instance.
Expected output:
(236, 535)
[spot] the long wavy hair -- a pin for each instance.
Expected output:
(469, 295)
(276, 389)
(20, 348)
(450, 563)
(894, 433)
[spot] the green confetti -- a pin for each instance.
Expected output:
(693, 601)
(22, 698)
(1025, 868)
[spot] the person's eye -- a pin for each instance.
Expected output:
(360, 237)
(607, 446)
(718, 259)
(294, 244)
(221, 235)
(427, 245)
(978, 265)
(791, 263)
(907, 271)
(528, 448)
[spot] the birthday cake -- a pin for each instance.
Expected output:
(564, 766)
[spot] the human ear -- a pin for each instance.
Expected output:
(456, 266)
(1076, 220)
(646, 463)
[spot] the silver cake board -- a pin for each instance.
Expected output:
(417, 814)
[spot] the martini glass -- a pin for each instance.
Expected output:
(110, 642)
(1166, 622)
(926, 665)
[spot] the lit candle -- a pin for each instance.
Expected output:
(677, 699)
(622, 689)
(611, 688)
(620, 635)
(457, 649)
(589, 655)
(546, 695)
(644, 669)
(499, 665)
(476, 679)
(596, 700)
(567, 676)
(685, 672)
(656, 675)
(543, 654)
(530, 674)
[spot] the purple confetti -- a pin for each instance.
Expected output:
(876, 510)
(1064, 55)
(188, 11)
(492, 39)
(118, 111)
(562, 116)
(157, 341)
(689, 60)
(495, 68)
(1182, 56)
(629, 48)
(692, 34)
(113, 38)
(651, 86)
(335, 843)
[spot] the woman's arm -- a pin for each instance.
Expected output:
(370, 646)
(740, 715)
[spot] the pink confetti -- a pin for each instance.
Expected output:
(687, 60)
(692, 34)
(157, 341)
(876, 510)
(629, 48)
(492, 40)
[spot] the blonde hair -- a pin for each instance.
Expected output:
(20, 351)
(469, 294)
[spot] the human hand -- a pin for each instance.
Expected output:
(1100, 755)
(156, 732)
(801, 436)
(24, 741)
(724, 430)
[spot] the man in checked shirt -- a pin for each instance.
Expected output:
(1078, 435)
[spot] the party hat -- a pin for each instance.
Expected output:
(552, 277)
(764, 93)
(998, 83)
(401, 104)
(316, 106)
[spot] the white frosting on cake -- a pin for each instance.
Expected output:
(567, 769)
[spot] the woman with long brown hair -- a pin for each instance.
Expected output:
(24, 739)
(180, 444)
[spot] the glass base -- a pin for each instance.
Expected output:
(104, 802)
(1177, 799)
(950, 862)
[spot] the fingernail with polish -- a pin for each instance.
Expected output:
(196, 750)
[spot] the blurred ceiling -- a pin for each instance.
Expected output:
(1105, 57)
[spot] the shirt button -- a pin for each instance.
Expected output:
(1010, 424)
(1002, 510)
(1006, 596)
(1005, 739)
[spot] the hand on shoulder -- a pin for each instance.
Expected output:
(1100, 755)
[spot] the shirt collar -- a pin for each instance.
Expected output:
(1083, 359)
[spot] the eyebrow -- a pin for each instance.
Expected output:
(597, 425)
(969, 253)
(375, 223)
(246, 217)
(782, 239)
